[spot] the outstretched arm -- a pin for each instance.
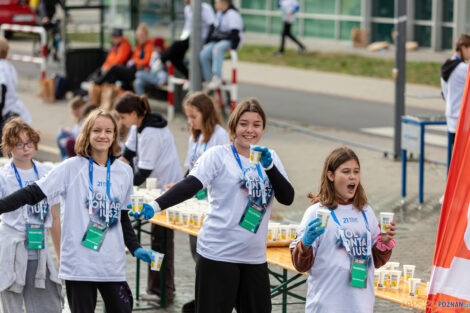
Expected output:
(30, 194)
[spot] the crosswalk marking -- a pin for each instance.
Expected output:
(429, 138)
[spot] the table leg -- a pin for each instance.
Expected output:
(403, 173)
(163, 269)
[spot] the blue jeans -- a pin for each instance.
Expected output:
(144, 78)
(212, 57)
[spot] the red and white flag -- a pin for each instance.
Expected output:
(450, 277)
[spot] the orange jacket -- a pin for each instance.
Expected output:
(147, 53)
(118, 54)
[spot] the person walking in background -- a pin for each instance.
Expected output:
(289, 9)
(154, 75)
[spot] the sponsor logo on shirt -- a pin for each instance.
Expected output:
(357, 242)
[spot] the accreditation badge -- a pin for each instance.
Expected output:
(94, 236)
(252, 217)
(35, 236)
(358, 274)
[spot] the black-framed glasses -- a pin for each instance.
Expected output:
(21, 145)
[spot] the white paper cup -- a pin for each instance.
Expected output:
(157, 262)
(395, 279)
(376, 278)
(255, 156)
(276, 231)
(408, 271)
(197, 219)
(284, 233)
(293, 231)
(170, 216)
(413, 285)
(178, 220)
(134, 203)
(383, 279)
(385, 219)
(137, 202)
(185, 218)
(393, 266)
(323, 215)
(270, 234)
(151, 183)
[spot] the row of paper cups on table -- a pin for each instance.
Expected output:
(389, 276)
(190, 213)
(281, 233)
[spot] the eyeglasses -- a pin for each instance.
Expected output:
(21, 145)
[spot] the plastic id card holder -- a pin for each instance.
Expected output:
(359, 272)
(94, 236)
(252, 217)
(35, 236)
(201, 194)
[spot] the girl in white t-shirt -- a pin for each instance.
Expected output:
(151, 148)
(350, 240)
(96, 188)
(232, 269)
(22, 259)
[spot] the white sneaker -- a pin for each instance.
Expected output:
(215, 83)
(85, 85)
(148, 296)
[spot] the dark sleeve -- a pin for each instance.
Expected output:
(283, 190)
(209, 34)
(234, 38)
(3, 93)
(130, 239)
(30, 194)
(128, 154)
(180, 192)
(302, 257)
(380, 257)
(140, 176)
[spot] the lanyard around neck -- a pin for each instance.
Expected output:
(18, 178)
(108, 187)
(195, 148)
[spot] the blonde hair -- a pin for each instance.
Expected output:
(327, 193)
(11, 134)
(3, 48)
(210, 115)
(248, 105)
(142, 28)
(82, 144)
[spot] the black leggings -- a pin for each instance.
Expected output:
(175, 53)
(286, 32)
(81, 296)
(118, 72)
(222, 286)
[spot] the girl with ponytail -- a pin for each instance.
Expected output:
(151, 149)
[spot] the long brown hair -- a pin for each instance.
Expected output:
(248, 105)
(210, 115)
(11, 134)
(130, 102)
(82, 144)
(327, 194)
(463, 41)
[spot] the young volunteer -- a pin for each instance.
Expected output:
(96, 188)
(226, 35)
(28, 273)
(232, 269)
(350, 246)
(206, 132)
(151, 148)
(289, 9)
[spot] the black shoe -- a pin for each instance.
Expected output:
(278, 53)
(302, 50)
(189, 307)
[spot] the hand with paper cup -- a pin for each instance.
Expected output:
(388, 236)
(147, 212)
(312, 232)
(144, 255)
(266, 159)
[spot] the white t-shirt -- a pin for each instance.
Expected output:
(221, 237)
(71, 180)
(9, 78)
(289, 6)
(156, 151)
(328, 286)
(197, 148)
(453, 93)
(9, 184)
(229, 21)
(207, 19)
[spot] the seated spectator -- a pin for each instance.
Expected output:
(156, 74)
(10, 105)
(226, 35)
(65, 134)
(140, 60)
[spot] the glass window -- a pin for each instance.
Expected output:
(320, 6)
(448, 10)
(351, 7)
(277, 24)
(345, 29)
(254, 23)
(381, 32)
(423, 10)
(319, 28)
(383, 8)
(254, 4)
(423, 35)
(447, 39)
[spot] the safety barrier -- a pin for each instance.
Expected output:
(25, 58)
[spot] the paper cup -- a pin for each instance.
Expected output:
(151, 183)
(284, 233)
(270, 234)
(178, 220)
(255, 156)
(275, 229)
(134, 203)
(408, 271)
(413, 285)
(376, 278)
(385, 219)
(383, 278)
(170, 216)
(137, 202)
(395, 279)
(393, 266)
(185, 218)
(323, 215)
(293, 231)
(157, 262)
